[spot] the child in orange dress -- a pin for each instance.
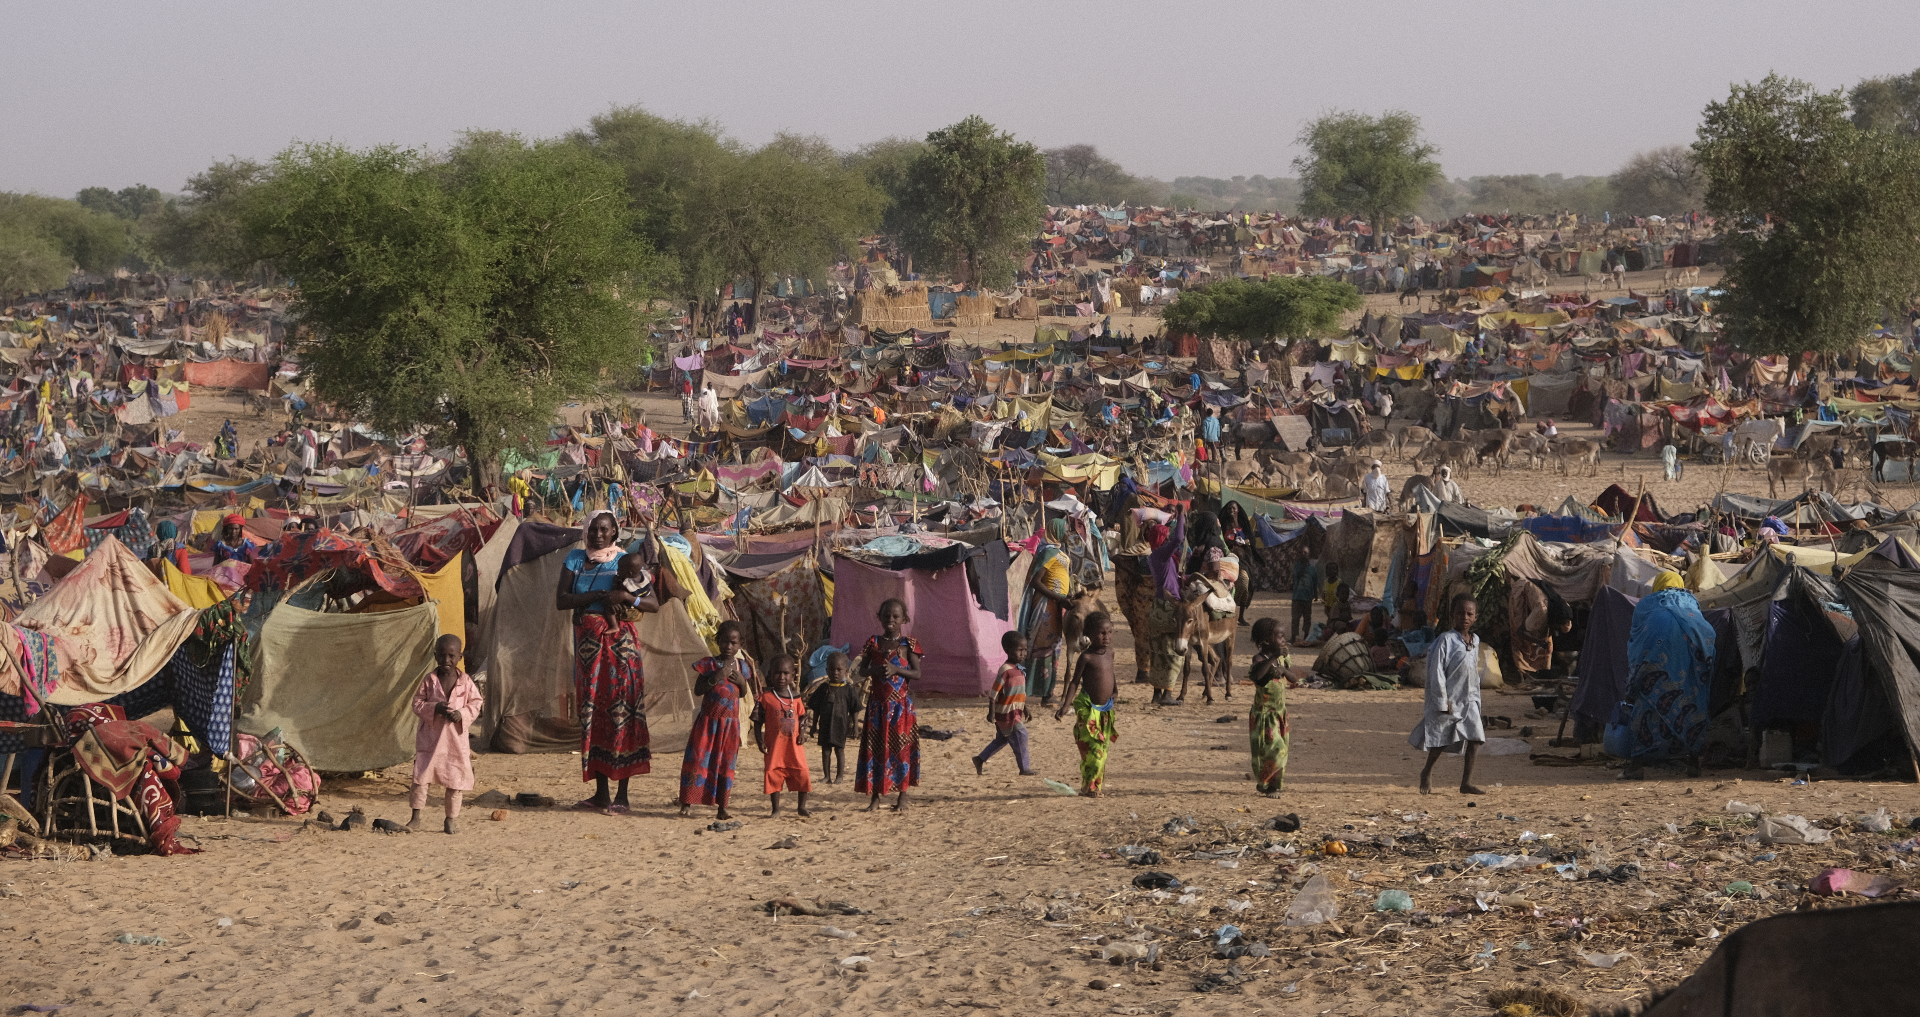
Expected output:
(776, 730)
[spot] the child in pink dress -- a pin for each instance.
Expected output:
(447, 703)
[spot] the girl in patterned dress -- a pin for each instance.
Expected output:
(706, 772)
(889, 758)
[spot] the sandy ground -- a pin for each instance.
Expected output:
(989, 894)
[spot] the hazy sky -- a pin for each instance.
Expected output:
(152, 93)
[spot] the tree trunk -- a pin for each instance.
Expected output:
(485, 472)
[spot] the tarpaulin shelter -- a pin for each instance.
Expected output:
(116, 625)
(340, 686)
(1603, 668)
(960, 637)
(1885, 597)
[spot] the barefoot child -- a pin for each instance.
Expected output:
(1007, 707)
(1267, 721)
(706, 772)
(889, 758)
(446, 703)
(1093, 728)
(831, 704)
(776, 730)
(1452, 718)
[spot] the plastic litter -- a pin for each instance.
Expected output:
(1237, 906)
(828, 930)
(854, 961)
(1625, 872)
(1180, 827)
(1138, 854)
(1837, 881)
(1157, 880)
(1487, 951)
(133, 940)
(1739, 888)
(1289, 823)
(1226, 934)
(1742, 808)
(1880, 822)
(224, 923)
(1765, 856)
(1058, 788)
(1393, 900)
(1313, 905)
(1228, 863)
(1505, 747)
(1523, 945)
(1791, 830)
(1124, 950)
(1604, 960)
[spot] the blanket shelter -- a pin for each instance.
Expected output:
(1885, 597)
(115, 623)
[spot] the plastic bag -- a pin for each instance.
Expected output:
(1313, 905)
(1394, 900)
(1879, 822)
(1791, 830)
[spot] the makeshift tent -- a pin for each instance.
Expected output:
(782, 603)
(530, 703)
(961, 639)
(1886, 604)
(115, 624)
(1603, 668)
(340, 686)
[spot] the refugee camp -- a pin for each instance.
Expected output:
(628, 552)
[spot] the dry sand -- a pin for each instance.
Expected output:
(987, 895)
(552, 911)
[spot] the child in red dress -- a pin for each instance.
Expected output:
(776, 730)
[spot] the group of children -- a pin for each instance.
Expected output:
(447, 702)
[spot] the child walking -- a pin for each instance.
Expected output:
(446, 703)
(1452, 718)
(1267, 720)
(1093, 728)
(776, 730)
(889, 758)
(831, 704)
(706, 772)
(1007, 708)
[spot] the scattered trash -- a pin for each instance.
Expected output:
(1138, 854)
(1157, 880)
(1393, 900)
(1791, 830)
(1765, 856)
(1058, 788)
(1523, 945)
(1226, 934)
(225, 923)
(1237, 906)
(838, 933)
(388, 826)
(1124, 950)
(133, 940)
(1739, 888)
(1742, 808)
(1334, 847)
(1879, 822)
(1314, 904)
(1180, 827)
(938, 734)
(787, 843)
(1289, 823)
(1604, 960)
(1487, 951)
(692, 994)
(1190, 897)
(726, 827)
(1836, 881)
(1505, 747)
(1625, 873)
(1228, 863)
(1225, 719)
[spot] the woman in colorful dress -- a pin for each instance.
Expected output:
(608, 683)
(1267, 721)
(1043, 609)
(889, 758)
(713, 746)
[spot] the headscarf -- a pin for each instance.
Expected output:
(1668, 581)
(1057, 531)
(234, 519)
(165, 530)
(609, 552)
(1204, 534)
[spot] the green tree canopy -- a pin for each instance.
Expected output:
(1284, 307)
(1375, 167)
(30, 263)
(471, 293)
(670, 166)
(885, 165)
(791, 206)
(1891, 103)
(1080, 175)
(93, 241)
(204, 231)
(1663, 181)
(972, 202)
(130, 203)
(1825, 216)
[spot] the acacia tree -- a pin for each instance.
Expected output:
(1662, 181)
(1286, 307)
(471, 293)
(203, 231)
(670, 168)
(1891, 103)
(790, 206)
(1825, 216)
(972, 201)
(1378, 168)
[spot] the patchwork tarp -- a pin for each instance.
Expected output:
(116, 625)
(1886, 604)
(340, 686)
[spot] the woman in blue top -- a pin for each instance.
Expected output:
(607, 681)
